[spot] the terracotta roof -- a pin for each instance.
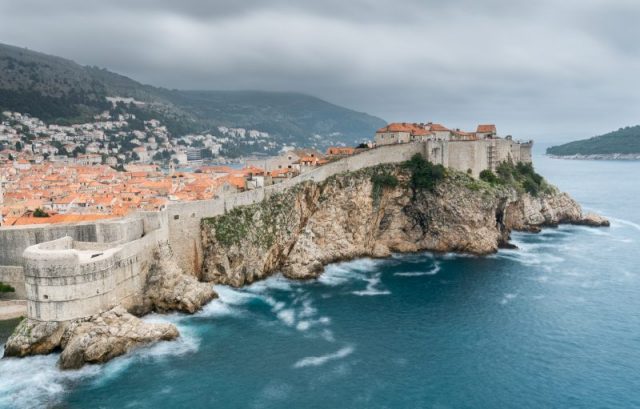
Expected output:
(486, 128)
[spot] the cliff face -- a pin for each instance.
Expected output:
(349, 216)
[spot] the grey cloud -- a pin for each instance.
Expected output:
(539, 68)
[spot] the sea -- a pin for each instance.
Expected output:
(554, 323)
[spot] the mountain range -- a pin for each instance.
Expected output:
(61, 91)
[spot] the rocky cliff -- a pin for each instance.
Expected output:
(374, 212)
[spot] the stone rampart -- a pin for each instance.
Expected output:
(65, 279)
(72, 271)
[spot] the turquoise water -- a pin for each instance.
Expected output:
(554, 324)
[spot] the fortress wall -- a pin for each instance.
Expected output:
(184, 235)
(526, 152)
(67, 280)
(14, 240)
(465, 155)
(184, 218)
(72, 271)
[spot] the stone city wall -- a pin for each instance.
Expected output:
(184, 218)
(65, 279)
(72, 271)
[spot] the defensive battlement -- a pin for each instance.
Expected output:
(67, 279)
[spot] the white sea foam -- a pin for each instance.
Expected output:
(36, 381)
(217, 308)
(335, 275)
(327, 335)
(232, 296)
(433, 271)
(321, 360)
(625, 222)
(507, 298)
(372, 287)
(303, 325)
(275, 282)
(340, 273)
(528, 258)
(287, 316)
(307, 310)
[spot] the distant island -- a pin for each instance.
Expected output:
(623, 144)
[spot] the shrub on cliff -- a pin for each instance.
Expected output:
(488, 176)
(6, 288)
(381, 181)
(424, 174)
(522, 176)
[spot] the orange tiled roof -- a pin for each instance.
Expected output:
(489, 128)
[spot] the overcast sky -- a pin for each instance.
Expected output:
(548, 69)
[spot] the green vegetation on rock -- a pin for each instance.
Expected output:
(424, 174)
(520, 176)
(6, 288)
(261, 223)
(623, 141)
(380, 181)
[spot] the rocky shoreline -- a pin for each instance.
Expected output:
(347, 217)
(602, 156)
(102, 337)
(300, 231)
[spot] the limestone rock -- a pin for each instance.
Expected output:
(170, 289)
(95, 339)
(33, 337)
(302, 229)
(105, 336)
(594, 220)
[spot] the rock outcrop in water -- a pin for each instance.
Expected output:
(95, 339)
(104, 336)
(348, 216)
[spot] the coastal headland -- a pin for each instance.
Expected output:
(85, 283)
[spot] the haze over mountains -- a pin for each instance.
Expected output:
(58, 90)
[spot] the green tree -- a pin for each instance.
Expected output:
(424, 174)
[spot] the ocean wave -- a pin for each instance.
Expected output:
(625, 222)
(508, 297)
(37, 382)
(232, 296)
(323, 359)
(217, 308)
(340, 273)
(528, 258)
(372, 287)
(433, 271)
(275, 282)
